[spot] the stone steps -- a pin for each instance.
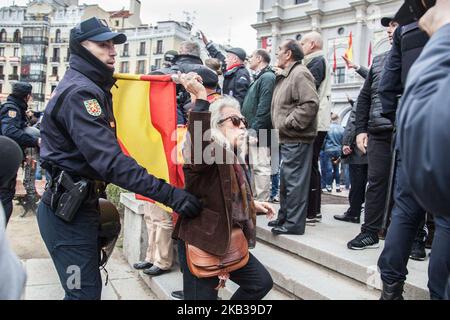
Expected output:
(317, 265)
(163, 285)
(307, 280)
(325, 246)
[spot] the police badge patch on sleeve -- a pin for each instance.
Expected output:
(12, 114)
(93, 107)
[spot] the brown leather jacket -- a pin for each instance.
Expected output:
(295, 105)
(211, 183)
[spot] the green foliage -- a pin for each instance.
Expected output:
(113, 192)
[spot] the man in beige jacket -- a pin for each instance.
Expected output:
(315, 61)
(295, 105)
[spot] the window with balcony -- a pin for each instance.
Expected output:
(159, 47)
(14, 76)
(3, 35)
(125, 52)
(142, 49)
(124, 67)
(340, 75)
(140, 69)
(16, 37)
(58, 36)
(56, 56)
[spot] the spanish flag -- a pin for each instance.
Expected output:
(349, 52)
(145, 110)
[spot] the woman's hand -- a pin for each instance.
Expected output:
(193, 84)
(266, 208)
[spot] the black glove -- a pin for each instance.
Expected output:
(184, 203)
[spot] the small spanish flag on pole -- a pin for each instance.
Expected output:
(349, 52)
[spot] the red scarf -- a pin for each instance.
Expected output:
(234, 66)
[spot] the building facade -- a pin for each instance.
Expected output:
(278, 20)
(34, 42)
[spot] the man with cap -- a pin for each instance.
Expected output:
(237, 78)
(79, 146)
(374, 138)
(13, 124)
(187, 58)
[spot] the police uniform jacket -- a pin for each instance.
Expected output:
(424, 130)
(88, 148)
(13, 121)
(408, 43)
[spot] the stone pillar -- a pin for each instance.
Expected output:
(276, 40)
(135, 239)
(359, 43)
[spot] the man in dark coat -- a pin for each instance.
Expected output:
(13, 124)
(374, 138)
(358, 167)
(407, 213)
(423, 140)
(256, 109)
(237, 78)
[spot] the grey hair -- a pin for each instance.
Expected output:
(190, 47)
(216, 109)
(316, 37)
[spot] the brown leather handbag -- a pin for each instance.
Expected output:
(205, 265)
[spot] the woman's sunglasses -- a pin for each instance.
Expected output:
(235, 120)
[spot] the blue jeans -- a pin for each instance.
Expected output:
(333, 173)
(324, 169)
(275, 186)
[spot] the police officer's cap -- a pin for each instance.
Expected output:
(411, 11)
(239, 52)
(96, 30)
(386, 21)
(21, 89)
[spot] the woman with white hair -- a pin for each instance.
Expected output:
(216, 174)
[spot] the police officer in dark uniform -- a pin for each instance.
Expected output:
(407, 215)
(13, 124)
(80, 150)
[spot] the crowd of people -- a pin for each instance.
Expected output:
(269, 135)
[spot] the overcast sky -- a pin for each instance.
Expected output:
(218, 19)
